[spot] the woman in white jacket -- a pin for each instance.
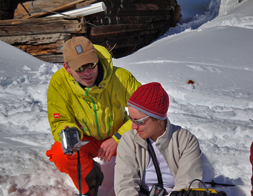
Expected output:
(177, 150)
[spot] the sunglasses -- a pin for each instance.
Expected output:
(83, 67)
(140, 121)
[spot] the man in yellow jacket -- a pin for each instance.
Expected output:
(91, 94)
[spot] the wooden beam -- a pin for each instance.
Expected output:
(40, 26)
(35, 39)
(125, 28)
(46, 47)
(68, 6)
(54, 58)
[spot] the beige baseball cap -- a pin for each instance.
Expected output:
(79, 51)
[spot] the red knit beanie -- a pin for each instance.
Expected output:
(151, 99)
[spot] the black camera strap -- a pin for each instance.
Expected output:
(154, 159)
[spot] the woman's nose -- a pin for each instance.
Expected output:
(134, 126)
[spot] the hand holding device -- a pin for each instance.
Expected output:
(70, 140)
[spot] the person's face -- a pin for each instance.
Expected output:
(149, 129)
(86, 78)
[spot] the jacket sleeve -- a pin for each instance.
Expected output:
(126, 86)
(60, 114)
(187, 158)
(127, 175)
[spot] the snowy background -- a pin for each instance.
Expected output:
(212, 46)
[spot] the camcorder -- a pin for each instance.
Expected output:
(70, 140)
(157, 190)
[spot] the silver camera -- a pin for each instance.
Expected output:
(70, 140)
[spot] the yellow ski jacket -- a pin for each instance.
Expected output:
(97, 111)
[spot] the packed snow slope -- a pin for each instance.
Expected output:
(205, 64)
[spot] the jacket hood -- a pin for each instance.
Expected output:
(106, 60)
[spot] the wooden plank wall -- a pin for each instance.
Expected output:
(126, 26)
(132, 24)
(42, 37)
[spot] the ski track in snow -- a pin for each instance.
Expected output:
(201, 65)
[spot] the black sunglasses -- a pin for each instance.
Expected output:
(83, 67)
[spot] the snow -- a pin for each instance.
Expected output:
(212, 46)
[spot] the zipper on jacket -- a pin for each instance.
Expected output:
(109, 125)
(95, 111)
(86, 94)
(84, 125)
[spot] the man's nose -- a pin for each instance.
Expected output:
(87, 71)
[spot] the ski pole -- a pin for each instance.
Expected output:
(215, 183)
(79, 173)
